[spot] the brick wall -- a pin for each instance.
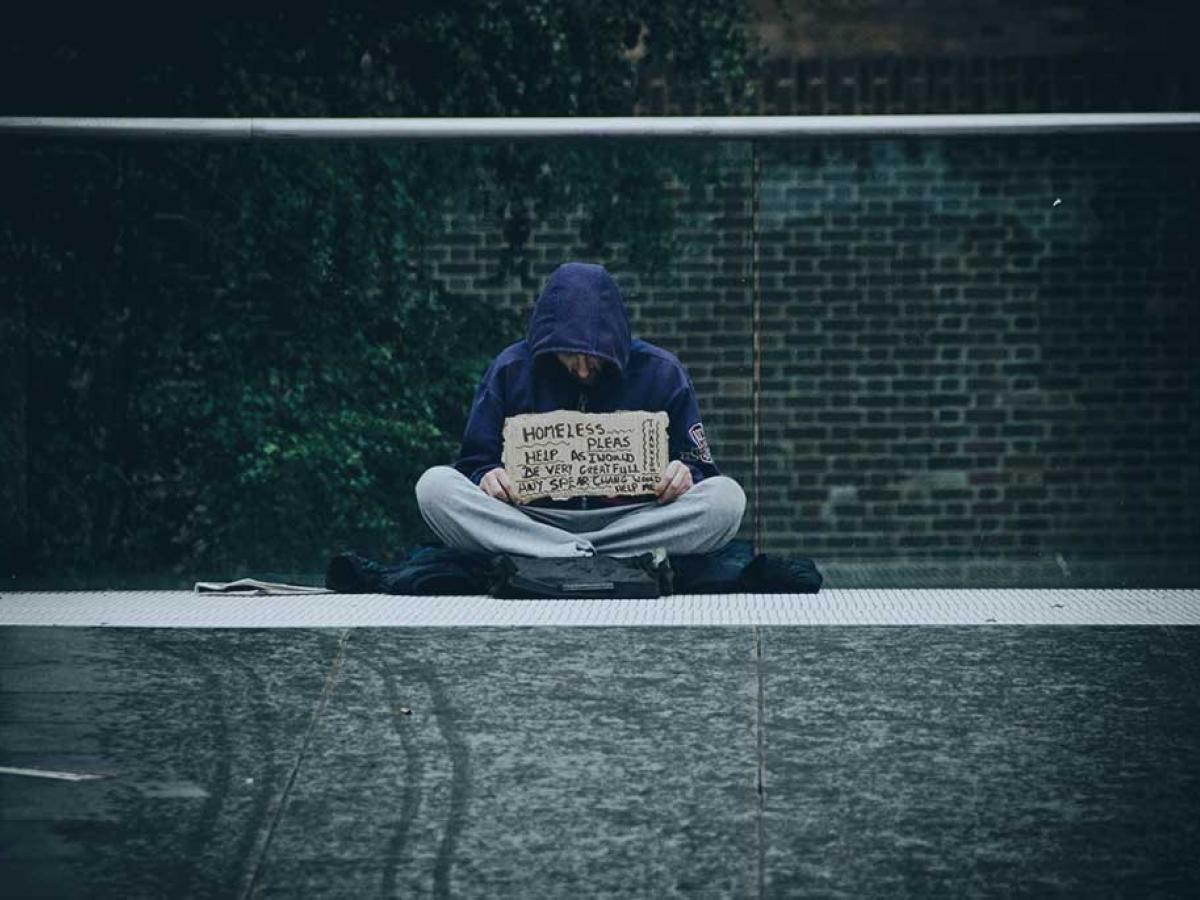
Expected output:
(952, 362)
(852, 29)
(1133, 81)
(982, 347)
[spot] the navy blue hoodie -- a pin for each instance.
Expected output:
(580, 310)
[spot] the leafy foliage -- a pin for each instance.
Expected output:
(236, 355)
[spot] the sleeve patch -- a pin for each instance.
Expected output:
(701, 453)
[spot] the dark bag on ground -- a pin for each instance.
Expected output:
(584, 577)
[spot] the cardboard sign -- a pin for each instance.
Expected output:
(572, 454)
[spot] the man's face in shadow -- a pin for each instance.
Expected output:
(586, 369)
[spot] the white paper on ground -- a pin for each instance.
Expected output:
(46, 773)
(255, 587)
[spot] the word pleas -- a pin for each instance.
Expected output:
(571, 454)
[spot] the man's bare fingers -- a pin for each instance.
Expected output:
(493, 484)
(680, 483)
(685, 481)
(668, 476)
(510, 489)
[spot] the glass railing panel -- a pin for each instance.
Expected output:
(231, 358)
(979, 356)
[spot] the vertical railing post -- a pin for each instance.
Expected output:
(756, 330)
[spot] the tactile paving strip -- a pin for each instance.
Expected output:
(835, 606)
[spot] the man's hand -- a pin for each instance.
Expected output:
(496, 483)
(676, 480)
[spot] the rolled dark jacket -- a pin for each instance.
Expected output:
(781, 575)
(430, 570)
(718, 572)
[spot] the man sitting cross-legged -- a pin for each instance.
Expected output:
(579, 355)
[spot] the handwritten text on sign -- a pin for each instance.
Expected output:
(569, 454)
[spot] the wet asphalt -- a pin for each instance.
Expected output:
(547, 762)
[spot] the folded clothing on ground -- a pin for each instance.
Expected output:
(774, 575)
(429, 570)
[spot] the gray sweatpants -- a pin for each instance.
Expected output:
(705, 518)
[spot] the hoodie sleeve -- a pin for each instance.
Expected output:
(687, 440)
(484, 434)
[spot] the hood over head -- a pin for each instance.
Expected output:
(580, 310)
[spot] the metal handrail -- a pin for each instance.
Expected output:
(711, 127)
